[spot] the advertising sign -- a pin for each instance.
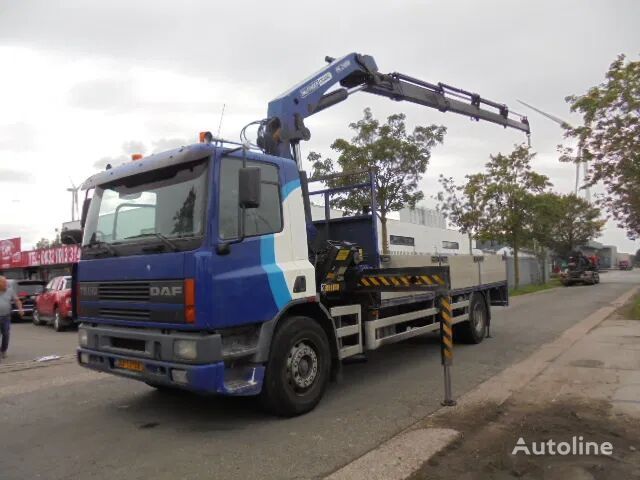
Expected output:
(10, 253)
(52, 256)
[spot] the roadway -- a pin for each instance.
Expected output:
(58, 421)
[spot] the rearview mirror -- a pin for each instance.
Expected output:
(71, 237)
(85, 210)
(249, 180)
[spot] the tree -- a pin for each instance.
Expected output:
(43, 243)
(496, 204)
(399, 159)
(46, 243)
(610, 140)
(461, 204)
(564, 222)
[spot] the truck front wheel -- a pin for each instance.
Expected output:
(474, 329)
(298, 368)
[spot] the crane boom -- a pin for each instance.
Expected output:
(280, 134)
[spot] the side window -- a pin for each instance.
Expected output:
(267, 218)
(50, 284)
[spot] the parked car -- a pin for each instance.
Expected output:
(53, 306)
(27, 291)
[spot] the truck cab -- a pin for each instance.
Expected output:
(179, 286)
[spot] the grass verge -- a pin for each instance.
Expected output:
(553, 283)
(633, 313)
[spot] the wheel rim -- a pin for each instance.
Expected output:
(302, 366)
(36, 318)
(56, 321)
(478, 318)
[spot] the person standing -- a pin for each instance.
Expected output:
(7, 294)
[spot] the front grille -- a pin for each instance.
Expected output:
(125, 313)
(124, 291)
(128, 343)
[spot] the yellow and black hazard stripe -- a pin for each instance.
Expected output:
(400, 281)
(446, 331)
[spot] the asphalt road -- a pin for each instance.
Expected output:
(63, 422)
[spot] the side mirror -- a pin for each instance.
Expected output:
(249, 181)
(85, 210)
(71, 237)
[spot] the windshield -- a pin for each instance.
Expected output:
(150, 207)
(29, 288)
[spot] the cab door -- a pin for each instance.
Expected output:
(45, 302)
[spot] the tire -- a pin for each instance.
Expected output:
(297, 371)
(596, 278)
(473, 330)
(58, 326)
(35, 317)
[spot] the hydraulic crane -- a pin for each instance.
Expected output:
(283, 129)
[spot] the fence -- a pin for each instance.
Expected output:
(531, 271)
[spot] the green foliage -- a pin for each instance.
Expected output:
(496, 204)
(399, 159)
(531, 288)
(610, 140)
(43, 243)
(46, 243)
(506, 190)
(564, 222)
(461, 204)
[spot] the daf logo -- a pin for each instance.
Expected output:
(88, 290)
(165, 291)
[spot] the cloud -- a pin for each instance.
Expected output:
(156, 72)
(134, 146)
(17, 137)
(169, 143)
(8, 175)
(104, 94)
(113, 161)
(28, 233)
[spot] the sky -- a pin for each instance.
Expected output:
(85, 83)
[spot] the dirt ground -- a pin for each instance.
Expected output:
(490, 433)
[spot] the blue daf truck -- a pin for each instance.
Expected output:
(202, 268)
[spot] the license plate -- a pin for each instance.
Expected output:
(129, 365)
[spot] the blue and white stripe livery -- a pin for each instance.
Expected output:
(284, 255)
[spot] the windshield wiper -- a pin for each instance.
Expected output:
(106, 245)
(164, 239)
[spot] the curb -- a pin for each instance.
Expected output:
(405, 453)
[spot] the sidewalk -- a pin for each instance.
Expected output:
(585, 384)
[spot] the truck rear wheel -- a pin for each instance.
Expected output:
(297, 372)
(474, 329)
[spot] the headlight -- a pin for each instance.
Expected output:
(83, 338)
(185, 349)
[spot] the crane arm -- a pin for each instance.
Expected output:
(280, 134)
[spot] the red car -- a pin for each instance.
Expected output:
(53, 306)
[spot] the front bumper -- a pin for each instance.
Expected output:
(154, 352)
(206, 379)
(27, 312)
